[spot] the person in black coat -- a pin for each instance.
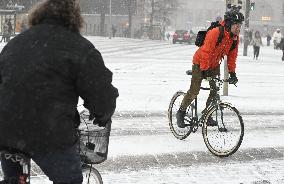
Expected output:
(43, 72)
(282, 47)
(268, 39)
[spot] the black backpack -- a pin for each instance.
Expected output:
(202, 34)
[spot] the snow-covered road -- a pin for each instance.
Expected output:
(142, 149)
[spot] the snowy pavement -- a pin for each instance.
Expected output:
(216, 173)
(153, 155)
(142, 150)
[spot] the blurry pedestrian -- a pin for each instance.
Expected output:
(256, 42)
(250, 35)
(10, 30)
(168, 36)
(5, 32)
(126, 32)
(282, 47)
(113, 29)
(277, 38)
(268, 38)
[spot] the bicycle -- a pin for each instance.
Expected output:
(223, 139)
(90, 174)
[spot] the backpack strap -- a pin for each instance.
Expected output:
(234, 45)
(221, 36)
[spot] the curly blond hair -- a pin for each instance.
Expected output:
(66, 11)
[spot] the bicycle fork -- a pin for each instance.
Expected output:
(25, 177)
(221, 128)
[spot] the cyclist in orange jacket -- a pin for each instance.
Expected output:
(207, 60)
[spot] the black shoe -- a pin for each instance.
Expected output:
(211, 122)
(180, 118)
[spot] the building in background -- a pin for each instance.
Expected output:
(116, 15)
(197, 14)
(10, 11)
(267, 16)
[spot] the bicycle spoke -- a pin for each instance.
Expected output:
(179, 133)
(224, 139)
(91, 176)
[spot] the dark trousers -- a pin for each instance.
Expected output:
(195, 85)
(256, 51)
(61, 166)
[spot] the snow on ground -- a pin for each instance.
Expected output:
(147, 74)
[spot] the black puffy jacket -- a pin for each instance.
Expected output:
(43, 72)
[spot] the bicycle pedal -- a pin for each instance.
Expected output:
(200, 124)
(223, 129)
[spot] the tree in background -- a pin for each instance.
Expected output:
(103, 10)
(160, 11)
(132, 8)
(129, 3)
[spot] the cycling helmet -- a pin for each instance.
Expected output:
(234, 17)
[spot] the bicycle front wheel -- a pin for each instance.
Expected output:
(224, 137)
(179, 133)
(91, 175)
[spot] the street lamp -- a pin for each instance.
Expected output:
(246, 28)
(110, 21)
(226, 72)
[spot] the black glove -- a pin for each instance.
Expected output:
(101, 123)
(233, 78)
(206, 73)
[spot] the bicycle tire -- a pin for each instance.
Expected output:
(91, 175)
(224, 113)
(179, 133)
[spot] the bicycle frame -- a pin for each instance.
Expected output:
(197, 122)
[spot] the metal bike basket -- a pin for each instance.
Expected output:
(94, 141)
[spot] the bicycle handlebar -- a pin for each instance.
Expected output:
(189, 72)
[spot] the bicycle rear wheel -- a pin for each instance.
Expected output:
(179, 133)
(224, 138)
(91, 175)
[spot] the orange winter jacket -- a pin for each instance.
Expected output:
(209, 56)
